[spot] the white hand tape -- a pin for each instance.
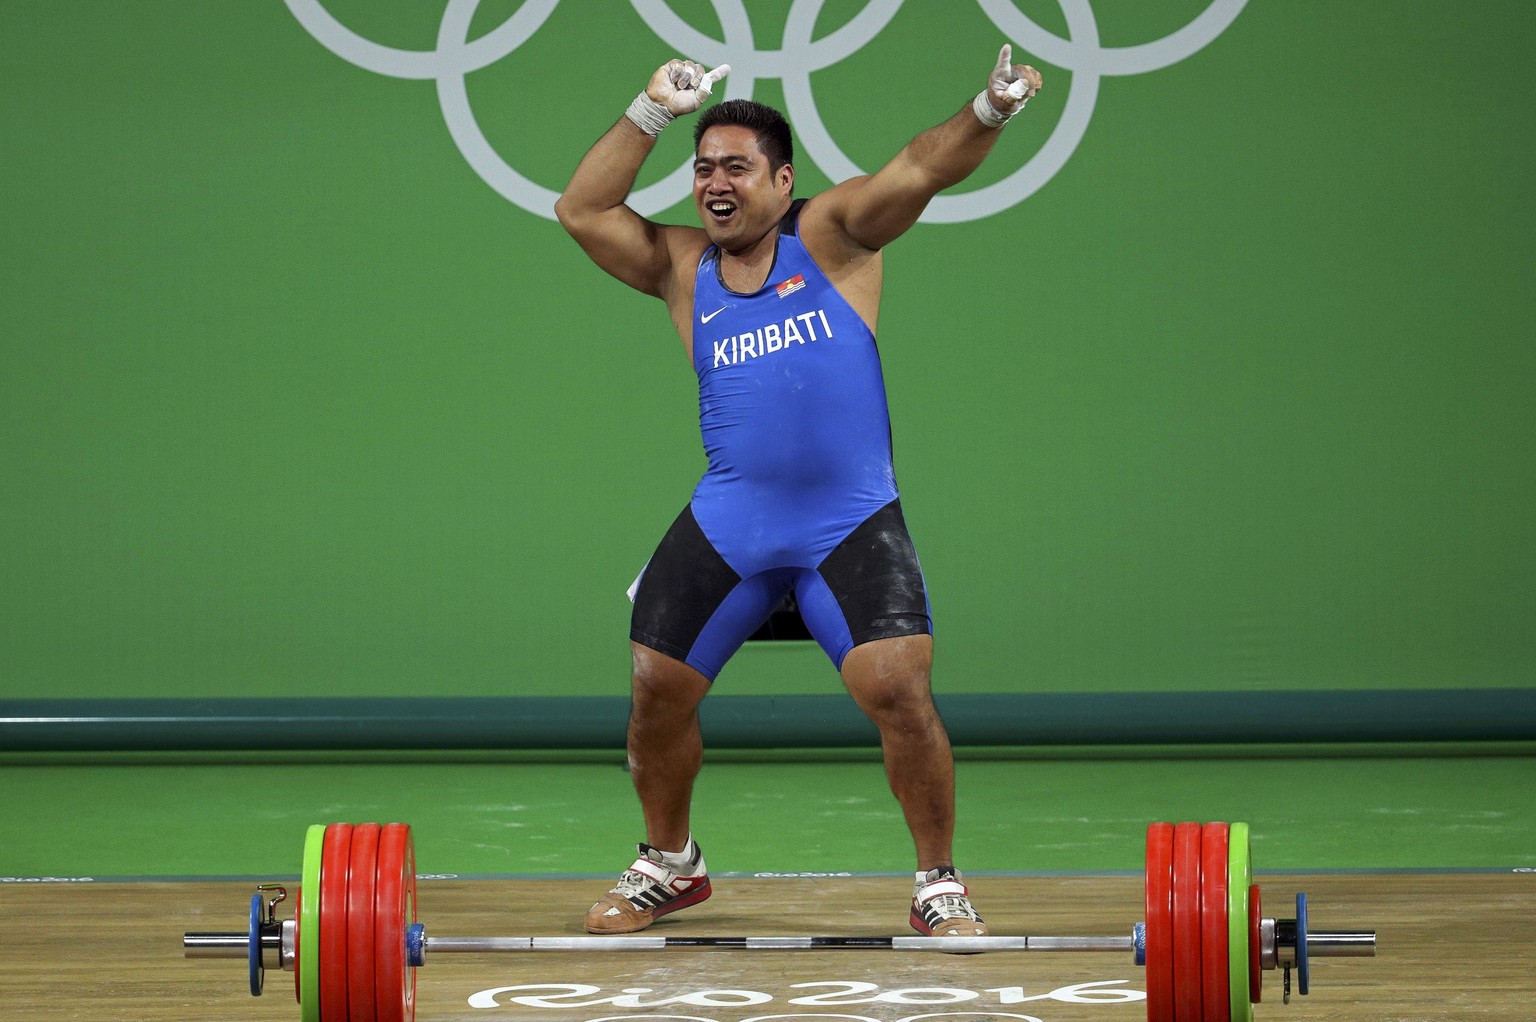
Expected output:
(986, 113)
(707, 84)
(648, 115)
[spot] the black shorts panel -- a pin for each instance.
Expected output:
(876, 578)
(680, 589)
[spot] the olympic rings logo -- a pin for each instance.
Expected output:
(455, 56)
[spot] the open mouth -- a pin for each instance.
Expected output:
(720, 210)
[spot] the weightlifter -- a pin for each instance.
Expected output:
(776, 300)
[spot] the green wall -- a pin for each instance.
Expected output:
(294, 402)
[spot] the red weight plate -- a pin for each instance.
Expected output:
(1187, 990)
(1159, 896)
(1255, 935)
(362, 872)
(334, 866)
(1215, 940)
(394, 910)
(410, 920)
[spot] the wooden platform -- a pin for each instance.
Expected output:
(1453, 947)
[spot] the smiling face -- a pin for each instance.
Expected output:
(738, 193)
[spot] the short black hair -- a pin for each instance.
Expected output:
(770, 127)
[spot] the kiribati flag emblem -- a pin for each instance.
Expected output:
(791, 285)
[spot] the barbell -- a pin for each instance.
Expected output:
(354, 944)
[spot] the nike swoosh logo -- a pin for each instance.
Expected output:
(711, 315)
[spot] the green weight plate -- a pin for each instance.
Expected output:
(1239, 879)
(307, 981)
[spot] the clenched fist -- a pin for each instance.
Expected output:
(681, 86)
(1011, 85)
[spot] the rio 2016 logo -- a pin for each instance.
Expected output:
(455, 56)
(919, 1004)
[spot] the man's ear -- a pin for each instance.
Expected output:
(786, 178)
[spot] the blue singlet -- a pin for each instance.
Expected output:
(792, 410)
(799, 496)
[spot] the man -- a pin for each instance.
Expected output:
(776, 301)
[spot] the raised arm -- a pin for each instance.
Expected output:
(871, 212)
(592, 208)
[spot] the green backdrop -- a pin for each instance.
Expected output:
(296, 402)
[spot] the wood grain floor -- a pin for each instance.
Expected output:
(1453, 947)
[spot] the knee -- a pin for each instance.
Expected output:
(889, 679)
(901, 703)
(662, 686)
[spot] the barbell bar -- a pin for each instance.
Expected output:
(356, 945)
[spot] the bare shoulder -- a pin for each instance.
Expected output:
(684, 247)
(824, 226)
(684, 244)
(856, 270)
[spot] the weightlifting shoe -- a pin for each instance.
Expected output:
(648, 890)
(941, 906)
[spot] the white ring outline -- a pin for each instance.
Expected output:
(456, 56)
(461, 58)
(1077, 55)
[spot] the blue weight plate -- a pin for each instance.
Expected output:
(258, 974)
(1303, 970)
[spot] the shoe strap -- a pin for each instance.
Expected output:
(655, 870)
(940, 889)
